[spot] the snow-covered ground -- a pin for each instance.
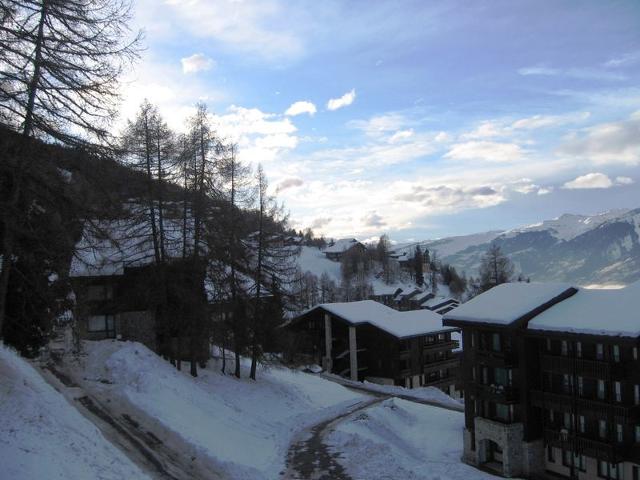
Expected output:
(401, 439)
(244, 427)
(43, 436)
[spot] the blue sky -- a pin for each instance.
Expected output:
(416, 119)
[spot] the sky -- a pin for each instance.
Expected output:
(416, 119)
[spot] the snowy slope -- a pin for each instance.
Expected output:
(312, 260)
(400, 439)
(243, 426)
(43, 436)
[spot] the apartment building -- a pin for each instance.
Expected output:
(552, 381)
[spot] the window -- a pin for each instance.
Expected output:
(567, 420)
(548, 344)
(580, 386)
(502, 411)
(430, 339)
(636, 394)
(582, 426)
(101, 323)
(601, 390)
(551, 454)
(551, 416)
(635, 353)
(599, 351)
(441, 337)
(404, 364)
(567, 383)
(495, 342)
(99, 292)
(618, 391)
(616, 353)
(502, 376)
(565, 348)
(636, 431)
(602, 428)
(579, 349)
(473, 339)
(473, 373)
(485, 375)
(619, 433)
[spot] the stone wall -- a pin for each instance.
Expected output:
(508, 436)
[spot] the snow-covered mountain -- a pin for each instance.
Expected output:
(585, 249)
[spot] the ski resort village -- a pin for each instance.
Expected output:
(338, 240)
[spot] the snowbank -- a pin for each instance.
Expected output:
(242, 425)
(42, 436)
(400, 439)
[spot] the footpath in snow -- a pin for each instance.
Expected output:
(42, 436)
(397, 438)
(242, 426)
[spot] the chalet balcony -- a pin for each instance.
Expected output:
(583, 366)
(587, 446)
(496, 393)
(493, 358)
(441, 364)
(440, 382)
(436, 346)
(567, 402)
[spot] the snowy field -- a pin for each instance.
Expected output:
(243, 426)
(400, 439)
(42, 436)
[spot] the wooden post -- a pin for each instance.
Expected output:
(353, 353)
(328, 342)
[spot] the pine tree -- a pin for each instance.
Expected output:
(495, 268)
(60, 61)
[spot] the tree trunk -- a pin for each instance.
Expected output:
(35, 79)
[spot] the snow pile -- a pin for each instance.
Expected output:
(42, 436)
(242, 425)
(508, 302)
(400, 439)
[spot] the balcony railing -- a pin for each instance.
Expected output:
(587, 446)
(566, 402)
(500, 393)
(450, 345)
(583, 366)
(440, 364)
(440, 382)
(490, 357)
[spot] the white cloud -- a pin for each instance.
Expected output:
(343, 101)
(298, 108)
(607, 143)
(486, 151)
(624, 181)
(401, 135)
(624, 60)
(590, 180)
(255, 27)
(578, 73)
(198, 62)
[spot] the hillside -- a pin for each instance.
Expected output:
(584, 249)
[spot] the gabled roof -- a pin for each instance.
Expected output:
(399, 324)
(509, 302)
(341, 245)
(595, 312)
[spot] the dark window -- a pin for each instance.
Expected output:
(101, 323)
(551, 456)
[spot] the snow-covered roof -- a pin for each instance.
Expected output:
(506, 303)
(437, 301)
(595, 312)
(108, 246)
(341, 245)
(398, 324)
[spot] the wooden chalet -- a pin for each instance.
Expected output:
(369, 341)
(552, 381)
(336, 249)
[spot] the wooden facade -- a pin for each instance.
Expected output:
(427, 359)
